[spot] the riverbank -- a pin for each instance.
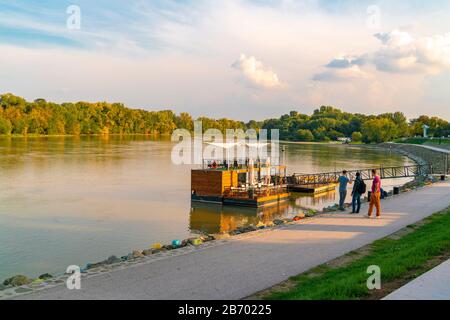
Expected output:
(438, 158)
(84, 135)
(21, 284)
(333, 143)
(237, 267)
(437, 142)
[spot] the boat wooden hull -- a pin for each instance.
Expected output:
(243, 202)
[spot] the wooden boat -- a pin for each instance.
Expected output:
(246, 184)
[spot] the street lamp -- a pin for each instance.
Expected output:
(425, 131)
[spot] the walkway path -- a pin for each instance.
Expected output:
(245, 265)
(441, 148)
(434, 285)
(434, 147)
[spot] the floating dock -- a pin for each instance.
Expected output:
(256, 201)
(245, 184)
(253, 202)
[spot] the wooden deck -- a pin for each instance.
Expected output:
(256, 202)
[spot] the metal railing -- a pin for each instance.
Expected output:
(366, 174)
(235, 164)
(254, 193)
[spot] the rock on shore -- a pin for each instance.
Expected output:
(17, 281)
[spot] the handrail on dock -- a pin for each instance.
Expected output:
(366, 174)
(239, 164)
(256, 192)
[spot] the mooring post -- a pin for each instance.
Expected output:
(446, 158)
(448, 163)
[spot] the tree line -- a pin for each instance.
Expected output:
(329, 124)
(21, 117)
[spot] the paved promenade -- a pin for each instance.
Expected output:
(245, 265)
(443, 148)
(433, 285)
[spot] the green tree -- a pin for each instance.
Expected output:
(357, 136)
(305, 135)
(438, 127)
(42, 117)
(320, 134)
(335, 135)
(5, 126)
(379, 130)
(184, 121)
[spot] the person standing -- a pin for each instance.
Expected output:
(359, 188)
(343, 182)
(375, 198)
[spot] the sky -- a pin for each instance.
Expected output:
(240, 59)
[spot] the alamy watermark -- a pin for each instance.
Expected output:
(74, 280)
(373, 17)
(73, 21)
(233, 145)
(374, 281)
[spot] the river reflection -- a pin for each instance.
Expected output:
(214, 218)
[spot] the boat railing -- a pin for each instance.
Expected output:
(238, 164)
(251, 192)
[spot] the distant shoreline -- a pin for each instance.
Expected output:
(162, 135)
(326, 143)
(84, 135)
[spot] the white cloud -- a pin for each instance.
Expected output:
(343, 62)
(400, 52)
(344, 68)
(395, 38)
(352, 72)
(256, 73)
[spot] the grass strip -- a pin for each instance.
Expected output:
(422, 141)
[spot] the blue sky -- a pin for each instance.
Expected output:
(236, 58)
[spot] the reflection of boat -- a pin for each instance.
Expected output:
(309, 200)
(214, 218)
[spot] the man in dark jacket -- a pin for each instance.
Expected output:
(358, 189)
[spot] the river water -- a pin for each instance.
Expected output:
(67, 200)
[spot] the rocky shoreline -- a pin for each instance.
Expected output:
(421, 155)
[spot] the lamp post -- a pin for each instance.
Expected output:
(425, 131)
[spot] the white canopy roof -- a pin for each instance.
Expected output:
(232, 145)
(223, 145)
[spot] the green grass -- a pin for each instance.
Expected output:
(408, 256)
(435, 141)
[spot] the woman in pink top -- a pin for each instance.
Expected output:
(375, 198)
